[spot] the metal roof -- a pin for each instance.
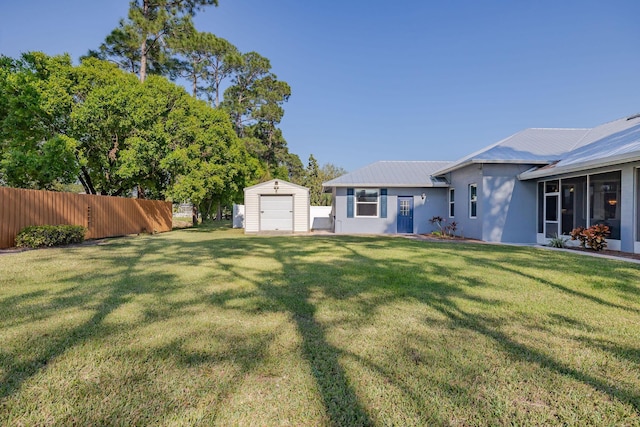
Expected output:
(392, 174)
(608, 129)
(556, 150)
(530, 146)
(611, 143)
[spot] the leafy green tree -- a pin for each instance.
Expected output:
(312, 180)
(35, 104)
(205, 61)
(159, 37)
(107, 122)
(209, 162)
(315, 176)
(255, 103)
(329, 171)
(160, 139)
(294, 167)
(102, 126)
(139, 43)
(256, 95)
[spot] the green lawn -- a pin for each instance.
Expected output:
(207, 326)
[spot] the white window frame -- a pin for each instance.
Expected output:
(355, 203)
(452, 202)
(473, 200)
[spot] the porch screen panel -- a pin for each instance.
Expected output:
(552, 208)
(574, 203)
(541, 207)
(551, 216)
(638, 205)
(604, 192)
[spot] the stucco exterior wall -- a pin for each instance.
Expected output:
(506, 209)
(435, 203)
(460, 180)
(627, 208)
(509, 205)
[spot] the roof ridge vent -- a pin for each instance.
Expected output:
(635, 116)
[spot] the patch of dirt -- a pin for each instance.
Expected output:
(178, 223)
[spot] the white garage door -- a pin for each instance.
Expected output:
(276, 213)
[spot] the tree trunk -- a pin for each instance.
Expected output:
(85, 179)
(209, 208)
(219, 213)
(84, 184)
(143, 46)
(143, 61)
(217, 86)
(194, 215)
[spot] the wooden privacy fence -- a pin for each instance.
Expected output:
(103, 216)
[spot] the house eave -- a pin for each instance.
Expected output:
(496, 162)
(599, 163)
(386, 185)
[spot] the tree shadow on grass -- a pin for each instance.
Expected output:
(340, 400)
(289, 292)
(293, 295)
(19, 368)
(441, 297)
(343, 269)
(528, 354)
(630, 353)
(518, 266)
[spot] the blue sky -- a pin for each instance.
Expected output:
(399, 80)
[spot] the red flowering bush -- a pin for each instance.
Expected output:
(593, 237)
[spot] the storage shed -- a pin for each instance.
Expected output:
(276, 205)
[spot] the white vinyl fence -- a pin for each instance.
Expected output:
(319, 217)
(238, 216)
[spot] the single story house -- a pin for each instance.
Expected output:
(388, 197)
(527, 188)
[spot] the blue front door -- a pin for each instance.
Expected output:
(405, 214)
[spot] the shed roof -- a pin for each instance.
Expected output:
(392, 174)
(272, 182)
(530, 146)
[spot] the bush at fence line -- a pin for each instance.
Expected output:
(37, 236)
